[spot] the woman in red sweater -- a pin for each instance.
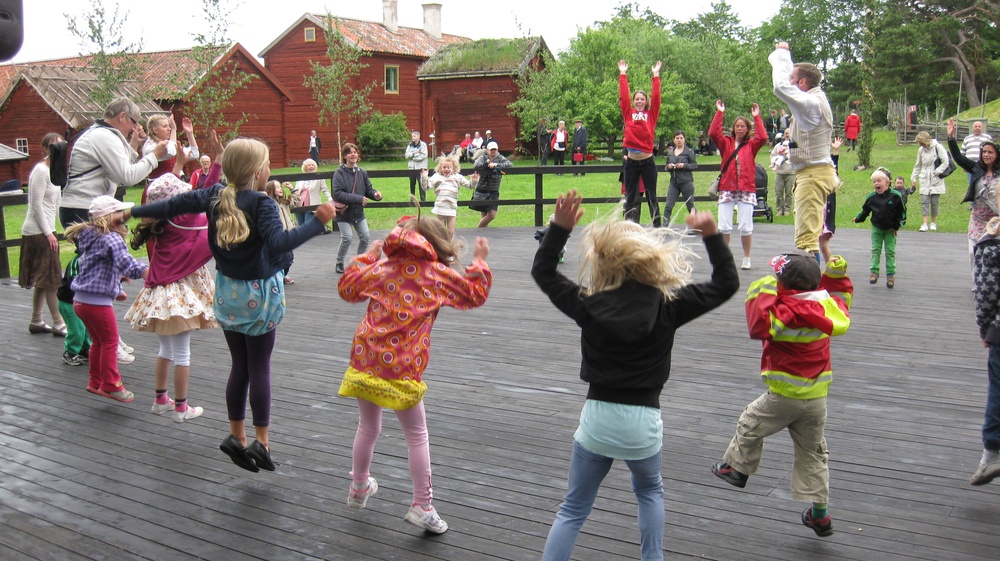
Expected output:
(738, 186)
(640, 114)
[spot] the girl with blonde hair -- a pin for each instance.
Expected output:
(446, 183)
(404, 291)
(309, 192)
(251, 249)
(634, 293)
(164, 127)
(104, 261)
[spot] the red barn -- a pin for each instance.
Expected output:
(469, 87)
(53, 96)
(392, 55)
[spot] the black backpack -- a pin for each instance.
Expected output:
(59, 153)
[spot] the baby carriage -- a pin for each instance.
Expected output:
(762, 208)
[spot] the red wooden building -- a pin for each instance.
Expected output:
(53, 96)
(469, 87)
(393, 55)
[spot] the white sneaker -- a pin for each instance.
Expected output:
(746, 264)
(161, 408)
(358, 498)
(923, 228)
(188, 414)
(933, 226)
(124, 357)
(124, 347)
(426, 519)
(986, 473)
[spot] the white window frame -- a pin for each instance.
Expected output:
(385, 83)
(22, 145)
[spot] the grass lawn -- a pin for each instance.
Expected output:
(898, 159)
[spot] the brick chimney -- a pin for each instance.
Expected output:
(432, 20)
(390, 16)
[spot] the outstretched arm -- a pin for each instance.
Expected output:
(568, 211)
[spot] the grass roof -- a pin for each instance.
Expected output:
(484, 55)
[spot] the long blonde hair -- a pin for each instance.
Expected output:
(436, 233)
(617, 250)
(101, 224)
(242, 160)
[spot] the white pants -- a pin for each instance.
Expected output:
(744, 214)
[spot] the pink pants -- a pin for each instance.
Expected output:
(414, 423)
(103, 328)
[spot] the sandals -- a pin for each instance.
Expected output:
(873, 278)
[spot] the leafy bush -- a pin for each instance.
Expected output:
(381, 136)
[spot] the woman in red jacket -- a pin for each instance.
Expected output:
(852, 128)
(640, 114)
(738, 187)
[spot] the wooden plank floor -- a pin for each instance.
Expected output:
(83, 477)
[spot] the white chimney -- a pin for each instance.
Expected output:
(389, 15)
(432, 20)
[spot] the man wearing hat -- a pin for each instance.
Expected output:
(489, 138)
(579, 143)
(490, 168)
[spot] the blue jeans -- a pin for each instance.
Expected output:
(346, 236)
(586, 472)
(991, 425)
(303, 217)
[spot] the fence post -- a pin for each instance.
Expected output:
(4, 258)
(538, 197)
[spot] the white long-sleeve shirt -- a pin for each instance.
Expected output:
(43, 202)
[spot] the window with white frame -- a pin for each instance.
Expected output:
(391, 79)
(22, 145)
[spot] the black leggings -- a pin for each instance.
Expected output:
(645, 170)
(251, 373)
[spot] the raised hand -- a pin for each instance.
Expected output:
(656, 68)
(622, 67)
(755, 110)
(719, 106)
(568, 211)
(951, 128)
(703, 221)
(782, 45)
(187, 126)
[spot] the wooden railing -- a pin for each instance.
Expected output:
(540, 199)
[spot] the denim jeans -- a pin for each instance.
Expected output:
(346, 236)
(586, 472)
(991, 426)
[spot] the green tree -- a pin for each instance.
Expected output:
(333, 82)
(867, 77)
(215, 85)
(111, 58)
(378, 137)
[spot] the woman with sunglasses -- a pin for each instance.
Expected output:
(983, 185)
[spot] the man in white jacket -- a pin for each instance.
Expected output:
(103, 158)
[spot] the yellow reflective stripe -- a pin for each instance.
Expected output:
(797, 387)
(837, 317)
(779, 332)
(765, 285)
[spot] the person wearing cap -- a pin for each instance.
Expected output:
(888, 215)
(489, 138)
(490, 167)
(104, 157)
(104, 261)
(579, 144)
(793, 312)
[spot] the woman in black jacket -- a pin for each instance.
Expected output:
(680, 161)
(983, 184)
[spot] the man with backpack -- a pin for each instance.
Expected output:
(101, 158)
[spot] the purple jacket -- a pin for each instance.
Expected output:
(104, 260)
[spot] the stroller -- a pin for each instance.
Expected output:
(762, 208)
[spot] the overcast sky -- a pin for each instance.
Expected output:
(169, 24)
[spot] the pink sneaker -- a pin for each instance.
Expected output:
(161, 408)
(426, 518)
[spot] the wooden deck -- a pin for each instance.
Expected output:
(83, 477)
